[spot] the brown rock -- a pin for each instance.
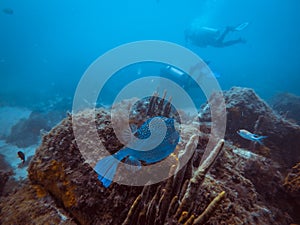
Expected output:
(32, 205)
(292, 181)
(59, 168)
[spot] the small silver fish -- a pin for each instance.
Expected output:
(252, 137)
(106, 167)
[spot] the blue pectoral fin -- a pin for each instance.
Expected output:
(106, 169)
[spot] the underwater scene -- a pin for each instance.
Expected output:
(153, 112)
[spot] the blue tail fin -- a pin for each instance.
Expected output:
(260, 140)
(107, 167)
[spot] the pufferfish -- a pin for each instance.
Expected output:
(107, 166)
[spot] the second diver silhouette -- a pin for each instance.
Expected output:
(202, 36)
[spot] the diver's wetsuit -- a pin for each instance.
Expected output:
(204, 39)
(221, 43)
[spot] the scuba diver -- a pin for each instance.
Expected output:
(183, 79)
(205, 36)
(178, 76)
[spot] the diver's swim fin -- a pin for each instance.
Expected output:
(241, 26)
(106, 169)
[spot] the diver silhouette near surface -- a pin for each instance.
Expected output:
(206, 36)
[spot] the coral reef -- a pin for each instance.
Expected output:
(225, 185)
(5, 174)
(27, 131)
(59, 168)
(210, 208)
(292, 181)
(245, 110)
(9, 117)
(292, 187)
(288, 106)
(3, 179)
(222, 196)
(28, 206)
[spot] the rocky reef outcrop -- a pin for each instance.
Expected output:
(27, 131)
(31, 205)
(10, 116)
(287, 105)
(235, 184)
(292, 181)
(3, 179)
(246, 110)
(292, 187)
(5, 173)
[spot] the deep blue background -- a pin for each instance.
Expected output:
(45, 46)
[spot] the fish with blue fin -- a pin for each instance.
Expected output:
(252, 137)
(107, 166)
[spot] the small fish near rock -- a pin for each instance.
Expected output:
(252, 137)
(21, 155)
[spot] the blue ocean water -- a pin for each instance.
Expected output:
(46, 46)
